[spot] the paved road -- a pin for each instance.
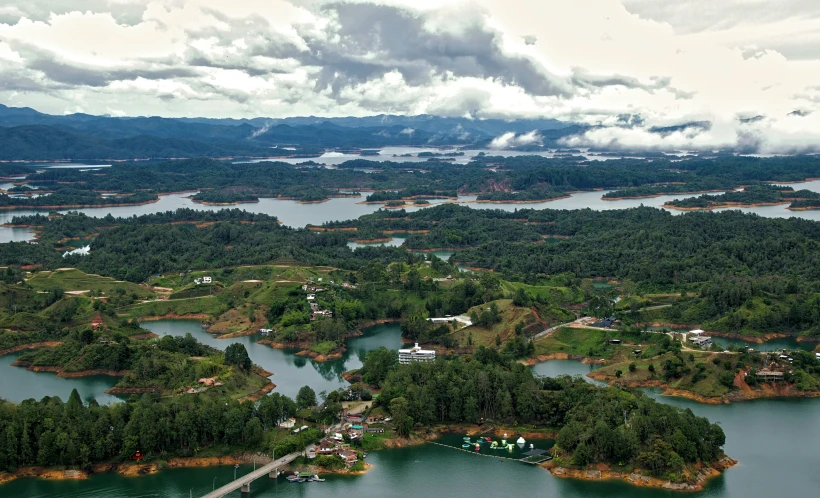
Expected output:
(551, 330)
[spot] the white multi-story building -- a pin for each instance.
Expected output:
(407, 356)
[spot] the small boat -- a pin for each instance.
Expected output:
(532, 446)
(477, 447)
(315, 478)
(364, 455)
(295, 478)
(503, 442)
(510, 446)
(466, 445)
(494, 445)
(488, 439)
(520, 441)
(467, 438)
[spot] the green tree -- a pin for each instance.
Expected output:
(400, 411)
(237, 355)
(377, 364)
(306, 397)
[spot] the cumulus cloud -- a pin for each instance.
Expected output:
(511, 139)
(633, 70)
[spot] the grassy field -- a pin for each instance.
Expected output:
(709, 385)
(553, 294)
(510, 316)
(593, 343)
(209, 305)
(76, 280)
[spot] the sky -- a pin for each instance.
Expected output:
(748, 68)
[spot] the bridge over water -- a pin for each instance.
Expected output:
(243, 484)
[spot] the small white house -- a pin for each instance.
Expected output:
(197, 281)
(206, 280)
(287, 424)
(311, 297)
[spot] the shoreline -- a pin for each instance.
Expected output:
(81, 206)
(725, 205)
(515, 201)
(231, 203)
(652, 196)
(769, 391)
(30, 345)
(173, 316)
(603, 472)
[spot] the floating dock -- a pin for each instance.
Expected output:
(533, 457)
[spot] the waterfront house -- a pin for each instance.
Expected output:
(327, 447)
(416, 354)
(701, 341)
(350, 457)
(265, 331)
(771, 375)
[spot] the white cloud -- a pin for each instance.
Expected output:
(661, 62)
(510, 139)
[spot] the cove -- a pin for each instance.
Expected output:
(291, 372)
(774, 440)
(19, 384)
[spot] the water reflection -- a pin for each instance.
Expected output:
(290, 372)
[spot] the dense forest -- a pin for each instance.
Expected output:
(754, 195)
(51, 432)
(735, 272)
(519, 178)
(595, 425)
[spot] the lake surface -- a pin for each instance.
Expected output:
(293, 214)
(18, 384)
(775, 441)
(789, 343)
(291, 372)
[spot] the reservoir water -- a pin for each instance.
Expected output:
(293, 214)
(290, 372)
(17, 384)
(775, 441)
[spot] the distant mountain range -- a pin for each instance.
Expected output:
(29, 135)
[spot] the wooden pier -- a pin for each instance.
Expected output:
(473, 452)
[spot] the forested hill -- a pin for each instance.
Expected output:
(47, 143)
(26, 134)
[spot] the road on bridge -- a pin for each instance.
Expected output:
(256, 474)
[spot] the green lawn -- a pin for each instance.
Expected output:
(74, 280)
